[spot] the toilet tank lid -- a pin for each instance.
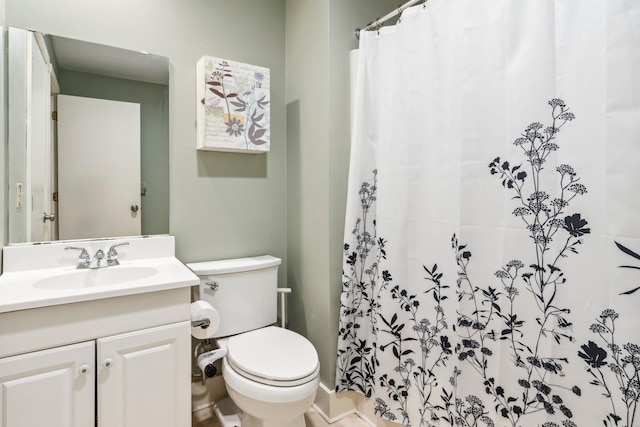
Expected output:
(226, 266)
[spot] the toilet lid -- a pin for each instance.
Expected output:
(274, 354)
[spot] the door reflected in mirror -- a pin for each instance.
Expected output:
(41, 67)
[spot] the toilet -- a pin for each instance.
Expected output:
(271, 373)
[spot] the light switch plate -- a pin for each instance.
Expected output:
(19, 195)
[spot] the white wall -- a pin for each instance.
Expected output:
(3, 135)
(16, 41)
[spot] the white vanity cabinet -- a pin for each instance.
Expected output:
(135, 379)
(54, 387)
(105, 347)
(123, 361)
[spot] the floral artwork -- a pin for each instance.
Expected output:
(233, 106)
(518, 357)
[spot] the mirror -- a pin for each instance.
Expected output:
(45, 71)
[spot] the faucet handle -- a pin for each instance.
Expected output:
(112, 254)
(84, 259)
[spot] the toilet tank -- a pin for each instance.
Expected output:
(242, 290)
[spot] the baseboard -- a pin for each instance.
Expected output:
(333, 407)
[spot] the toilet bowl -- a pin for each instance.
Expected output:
(271, 373)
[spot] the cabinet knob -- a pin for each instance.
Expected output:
(107, 363)
(84, 369)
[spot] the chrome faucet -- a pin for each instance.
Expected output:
(98, 260)
(84, 260)
(112, 254)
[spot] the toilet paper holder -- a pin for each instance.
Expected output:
(202, 323)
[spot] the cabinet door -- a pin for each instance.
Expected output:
(54, 387)
(144, 378)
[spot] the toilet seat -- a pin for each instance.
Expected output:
(269, 381)
(273, 356)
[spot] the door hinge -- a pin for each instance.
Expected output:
(55, 196)
(54, 116)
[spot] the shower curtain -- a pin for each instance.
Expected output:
(491, 267)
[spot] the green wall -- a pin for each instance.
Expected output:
(319, 38)
(308, 175)
(222, 205)
(154, 135)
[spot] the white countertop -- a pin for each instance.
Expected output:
(22, 288)
(17, 291)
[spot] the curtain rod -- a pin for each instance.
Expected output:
(380, 21)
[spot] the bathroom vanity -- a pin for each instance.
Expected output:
(108, 345)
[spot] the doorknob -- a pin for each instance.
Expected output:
(134, 208)
(51, 217)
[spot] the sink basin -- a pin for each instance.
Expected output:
(78, 279)
(45, 275)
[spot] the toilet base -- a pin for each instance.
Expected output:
(249, 421)
(227, 413)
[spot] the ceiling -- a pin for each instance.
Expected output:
(81, 56)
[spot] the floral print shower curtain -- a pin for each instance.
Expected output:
(491, 269)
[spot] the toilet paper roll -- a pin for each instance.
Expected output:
(203, 310)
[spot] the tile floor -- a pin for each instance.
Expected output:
(205, 418)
